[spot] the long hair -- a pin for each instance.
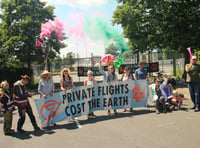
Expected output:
(68, 74)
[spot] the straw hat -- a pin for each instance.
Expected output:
(194, 57)
(45, 72)
(65, 69)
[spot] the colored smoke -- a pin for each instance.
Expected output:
(98, 28)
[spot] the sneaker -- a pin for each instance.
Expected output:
(197, 110)
(20, 130)
(124, 110)
(131, 109)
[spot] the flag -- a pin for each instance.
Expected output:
(38, 43)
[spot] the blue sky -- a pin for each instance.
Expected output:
(84, 46)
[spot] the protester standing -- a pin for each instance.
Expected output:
(127, 76)
(141, 73)
(109, 76)
(7, 107)
(46, 85)
(22, 102)
(66, 81)
(193, 79)
(90, 81)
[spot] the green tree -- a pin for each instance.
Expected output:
(20, 25)
(112, 49)
(151, 24)
(69, 60)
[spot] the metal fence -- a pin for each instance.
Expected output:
(171, 64)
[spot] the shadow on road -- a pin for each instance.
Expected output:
(118, 115)
(72, 125)
(27, 135)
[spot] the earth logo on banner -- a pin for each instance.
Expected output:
(49, 109)
(138, 93)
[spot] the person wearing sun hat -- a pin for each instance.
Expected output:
(21, 101)
(46, 85)
(66, 81)
(193, 79)
(46, 88)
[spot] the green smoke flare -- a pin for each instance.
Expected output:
(98, 28)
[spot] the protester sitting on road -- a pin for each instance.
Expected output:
(109, 76)
(177, 99)
(7, 107)
(21, 100)
(166, 89)
(126, 77)
(66, 81)
(90, 81)
(160, 102)
(46, 85)
(152, 87)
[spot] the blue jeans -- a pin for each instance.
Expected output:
(194, 88)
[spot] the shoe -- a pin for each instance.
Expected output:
(36, 128)
(124, 110)
(193, 107)
(93, 116)
(165, 111)
(115, 112)
(131, 110)
(20, 130)
(9, 133)
(109, 113)
(197, 110)
(54, 124)
(12, 130)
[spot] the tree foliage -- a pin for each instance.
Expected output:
(69, 60)
(20, 25)
(112, 49)
(150, 24)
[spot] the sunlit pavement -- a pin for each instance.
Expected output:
(140, 128)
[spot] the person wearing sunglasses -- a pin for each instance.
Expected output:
(66, 81)
(109, 76)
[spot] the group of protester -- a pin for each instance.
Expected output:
(19, 98)
(162, 92)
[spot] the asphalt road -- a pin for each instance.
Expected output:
(141, 128)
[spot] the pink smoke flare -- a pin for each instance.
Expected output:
(75, 30)
(189, 50)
